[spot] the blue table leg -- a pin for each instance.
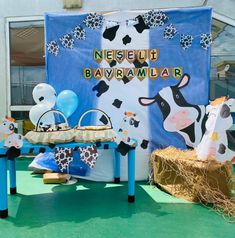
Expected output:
(12, 170)
(131, 175)
(3, 188)
(117, 167)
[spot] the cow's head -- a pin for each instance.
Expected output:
(219, 114)
(177, 113)
(8, 126)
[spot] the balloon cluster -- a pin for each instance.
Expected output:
(46, 99)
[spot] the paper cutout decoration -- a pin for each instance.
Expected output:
(154, 18)
(87, 73)
(124, 139)
(101, 88)
(142, 55)
(119, 55)
(89, 155)
(98, 73)
(130, 56)
(119, 73)
(141, 73)
(179, 115)
(206, 40)
(153, 73)
(98, 55)
(130, 73)
(94, 21)
(67, 41)
(117, 103)
(79, 33)
(214, 143)
(153, 55)
(170, 31)
(112, 63)
(144, 144)
(137, 64)
(177, 72)
(109, 55)
(186, 41)
(165, 73)
(12, 139)
(129, 121)
(108, 73)
(53, 47)
(63, 157)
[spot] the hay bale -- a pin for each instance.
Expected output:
(181, 174)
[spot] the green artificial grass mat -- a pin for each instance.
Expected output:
(92, 209)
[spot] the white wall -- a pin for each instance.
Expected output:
(15, 8)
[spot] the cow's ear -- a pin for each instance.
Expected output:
(184, 81)
(146, 101)
(208, 108)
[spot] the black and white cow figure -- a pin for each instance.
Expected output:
(179, 115)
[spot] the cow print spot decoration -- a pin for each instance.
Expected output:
(117, 103)
(94, 21)
(101, 88)
(104, 120)
(113, 63)
(155, 18)
(123, 148)
(125, 80)
(170, 31)
(53, 47)
(141, 26)
(144, 144)
(126, 40)
(110, 33)
(186, 41)
(140, 65)
(222, 149)
(63, 157)
(67, 41)
(206, 40)
(79, 33)
(41, 98)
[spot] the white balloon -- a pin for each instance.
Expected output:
(36, 112)
(44, 93)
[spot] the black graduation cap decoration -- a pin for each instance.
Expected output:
(125, 80)
(117, 103)
(112, 63)
(104, 120)
(101, 88)
(144, 144)
(140, 65)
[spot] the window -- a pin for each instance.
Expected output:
(222, 60)
(26, 67)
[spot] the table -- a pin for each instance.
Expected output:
(34, 149)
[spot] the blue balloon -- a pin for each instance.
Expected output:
(67, 102)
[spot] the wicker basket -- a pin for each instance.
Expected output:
(62, 135)
(94, 133)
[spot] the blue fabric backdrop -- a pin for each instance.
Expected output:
(65, 71)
